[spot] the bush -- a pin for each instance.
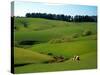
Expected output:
(67, 39)
(45, 62)
(50, 54)
(16, 28)
(86, 33)
(75, 35)
(55, 41)
(61, 40)
(24, 23)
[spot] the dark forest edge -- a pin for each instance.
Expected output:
(62, 17)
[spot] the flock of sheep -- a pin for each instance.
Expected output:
(58, 59)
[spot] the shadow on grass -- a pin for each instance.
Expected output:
(57, 59)
(19, 65)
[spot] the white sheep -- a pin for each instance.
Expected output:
(76, 58)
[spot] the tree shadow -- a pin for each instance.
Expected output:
(19, 65)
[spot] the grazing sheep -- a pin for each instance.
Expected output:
(76, 58)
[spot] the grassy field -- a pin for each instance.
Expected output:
(25, 56)
(42, 39)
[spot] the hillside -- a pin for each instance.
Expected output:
(24, 56)
(38, 41)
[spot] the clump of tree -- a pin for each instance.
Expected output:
(75, 35)
(68, 18)
(24, 23)
(87, 33)
(50, 54)
(86, 18)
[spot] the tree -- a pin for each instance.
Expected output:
(68, 18)
(28, 15)
(24, 23)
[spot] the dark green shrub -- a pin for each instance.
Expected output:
(24, 23)
(61, 40)
(87, 33)
(76, 35)
(66, 39)
(46, 62)
(50, 54)
(55, 41)
(16, 28)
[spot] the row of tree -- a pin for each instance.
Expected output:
(68, 18)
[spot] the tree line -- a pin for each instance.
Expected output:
(68, 18)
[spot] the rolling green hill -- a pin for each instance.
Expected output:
(60, 29)
(23, 56)
(67, 49)
(88, 61)
(59, 38)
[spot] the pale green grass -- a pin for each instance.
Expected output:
(68, 49)
(22, 56)
(60, 29)
(88, 61)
